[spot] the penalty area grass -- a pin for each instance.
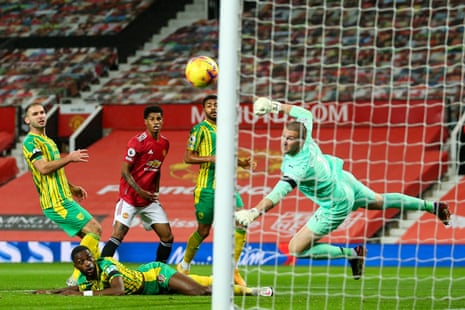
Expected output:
(299, 287)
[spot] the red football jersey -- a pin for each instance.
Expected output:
(146, 156)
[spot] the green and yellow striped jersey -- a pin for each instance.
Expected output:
(202, 140)
(53, 188)
(107, 268)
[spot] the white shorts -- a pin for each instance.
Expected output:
(152, 214)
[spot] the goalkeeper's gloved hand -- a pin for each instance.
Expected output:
(246, 217)
(264, 106)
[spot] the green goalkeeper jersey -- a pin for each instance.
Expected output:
(202, 140)
(53, 188)
(314, 173)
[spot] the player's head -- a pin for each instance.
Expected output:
(293, 138)
(152, 109)
(35, 116)
(209, 104)
(84, 261)
(209, 98)
(153, 118)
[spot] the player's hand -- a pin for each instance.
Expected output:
(79, 192)
(264, 106)
(246, 217)
(79, 156)
(247, 163)
(149, 196)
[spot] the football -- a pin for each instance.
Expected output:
(201, 71)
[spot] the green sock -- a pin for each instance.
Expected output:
(401, 201)
(325, 251)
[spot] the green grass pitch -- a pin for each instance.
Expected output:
(295, 287)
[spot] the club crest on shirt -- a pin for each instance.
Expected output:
(161, 278)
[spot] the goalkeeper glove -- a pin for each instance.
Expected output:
(264, 106)
(246, 217)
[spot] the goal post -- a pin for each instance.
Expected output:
(376, 76)
(226, 154)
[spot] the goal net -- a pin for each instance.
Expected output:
(384, 81)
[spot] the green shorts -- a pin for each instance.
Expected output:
(349, 195)
(157, 276)
(204, 201)
(69, 216)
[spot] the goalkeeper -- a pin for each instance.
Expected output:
(321, 178)
(106, 276)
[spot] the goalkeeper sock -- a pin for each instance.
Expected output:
(240, 237)
(91, 241)
(192, 247)
(401, 201)
(164, 251)
(110, 247)
(325, 251)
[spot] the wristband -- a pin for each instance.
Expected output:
(88, 293)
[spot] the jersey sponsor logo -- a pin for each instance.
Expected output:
(152, 165)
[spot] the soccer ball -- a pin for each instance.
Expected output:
(201, 71)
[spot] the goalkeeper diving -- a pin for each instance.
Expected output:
(322, 179)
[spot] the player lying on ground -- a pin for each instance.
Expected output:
(106, 276)
(322, 179)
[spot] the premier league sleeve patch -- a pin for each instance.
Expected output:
(130, 154)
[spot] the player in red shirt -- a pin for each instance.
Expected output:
(139, 186)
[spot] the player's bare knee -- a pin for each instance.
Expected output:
(94, 227)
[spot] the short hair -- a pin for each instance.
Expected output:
(77, 250)
(152, 109)
(208, 97)
(31, 105)
(298, 127)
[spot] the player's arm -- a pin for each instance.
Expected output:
(69, 290)
(127, 176)
(78, 191)
(193, 157)
(157, 183)
(281, 189)
(116, 288)
(46, 167)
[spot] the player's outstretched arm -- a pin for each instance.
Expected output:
(69, 290)
(46, 167)
(263, 106)
(246, 216)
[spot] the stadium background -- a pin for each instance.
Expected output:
(99, 61)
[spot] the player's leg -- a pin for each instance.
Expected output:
(122, 219)
(193, 245)
(77, 222)
(166, 241)
(182, 284)
(367, 198)
(154, 217)
(91, 233)
(240, 236)
(239, 290)
(204, 208)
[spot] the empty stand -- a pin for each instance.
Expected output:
(8, 169)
